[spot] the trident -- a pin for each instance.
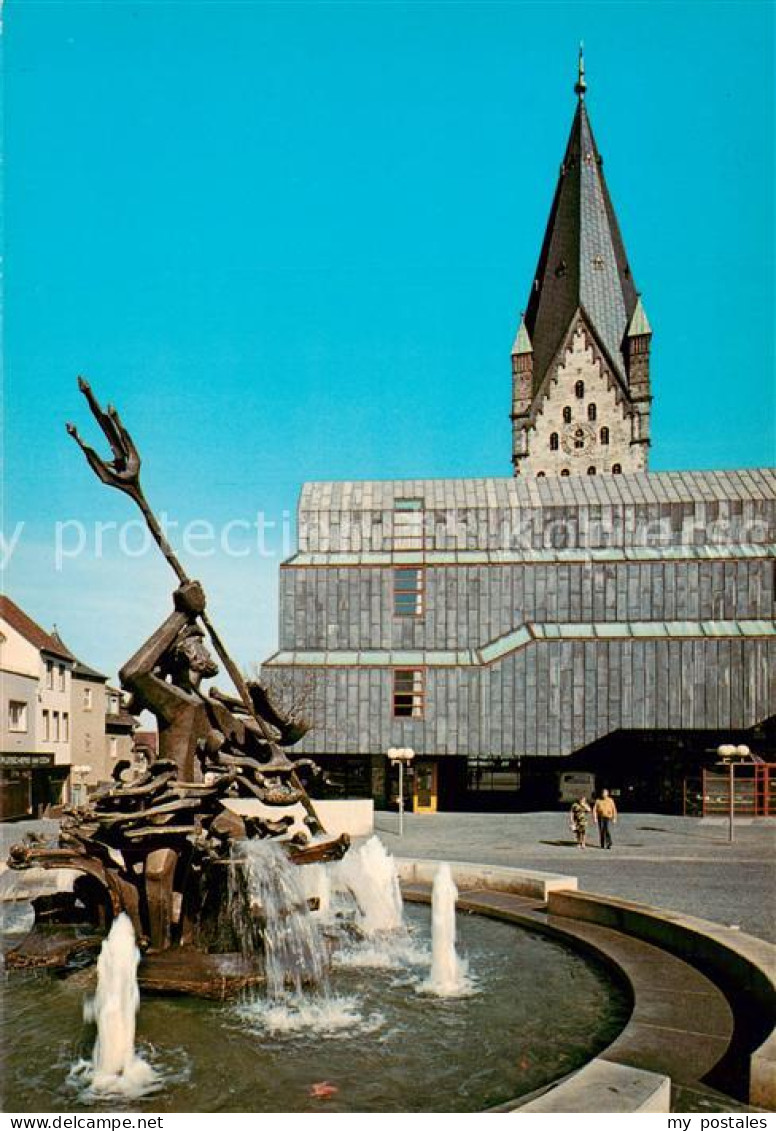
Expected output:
(123, 473)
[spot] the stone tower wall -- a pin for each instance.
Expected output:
(582, 362)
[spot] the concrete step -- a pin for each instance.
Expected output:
(703, 1099)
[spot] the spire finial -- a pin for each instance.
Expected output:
(581, 85)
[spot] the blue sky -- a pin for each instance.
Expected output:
(292, 241)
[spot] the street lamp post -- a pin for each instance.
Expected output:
(402, 755)
(728, 754)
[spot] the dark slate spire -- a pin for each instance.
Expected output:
(582, 262)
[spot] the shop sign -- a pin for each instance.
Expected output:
(25, 761)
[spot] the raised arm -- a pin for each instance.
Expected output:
(189, 602)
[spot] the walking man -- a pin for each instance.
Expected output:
(605, 813)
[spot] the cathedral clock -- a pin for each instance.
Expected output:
(578, 439)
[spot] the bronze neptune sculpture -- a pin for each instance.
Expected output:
(159, 847)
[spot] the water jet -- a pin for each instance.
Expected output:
(448, 976)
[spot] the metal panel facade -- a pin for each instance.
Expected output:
(554, 611)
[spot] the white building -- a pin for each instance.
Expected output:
(35, 713)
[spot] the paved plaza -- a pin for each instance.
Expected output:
(679, 863)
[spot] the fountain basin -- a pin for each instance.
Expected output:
(667, 1035)
(704, 996)
(384, 1045)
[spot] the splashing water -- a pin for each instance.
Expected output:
(390, 952)
(116, 1067)
(316, 884)
(448, 976)
(328, 1017)
(269, 910)
(369, 873)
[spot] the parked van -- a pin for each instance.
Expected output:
(574, 784)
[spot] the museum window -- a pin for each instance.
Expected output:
(408, 693)
(49, 675)
(349, 777)
(604, 435)
(565, 471)
(591, 471)
(55, 728)
(46, 726)
(87, 698)
(61, 676)
(407, 592)
(408, 524)
(579, 390)
(554, 441)
(592, 412)
(616, 469)
(493, 775)
(113, 746)
(567, 415)
(65, 726)
(17, 716)
(540, 475)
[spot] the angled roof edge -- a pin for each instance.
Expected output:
(542, 392)
(32, 632)
(639, 324)
(522, 342)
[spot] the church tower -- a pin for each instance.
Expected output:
(580, 361)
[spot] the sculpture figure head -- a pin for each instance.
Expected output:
(188, 661)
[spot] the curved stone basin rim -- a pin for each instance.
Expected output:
(675, 934)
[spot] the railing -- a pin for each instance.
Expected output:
(754, 791)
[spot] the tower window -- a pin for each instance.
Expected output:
(592, 412)
(408, 524)
(561, 269)
(554, 442)
(567, 415)
(565, 472)
(598, 262)
(407, 592)
(591, 471)
(616, 469)
(408, 693)
(579, 389)
(579, 438)
(604, 435)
